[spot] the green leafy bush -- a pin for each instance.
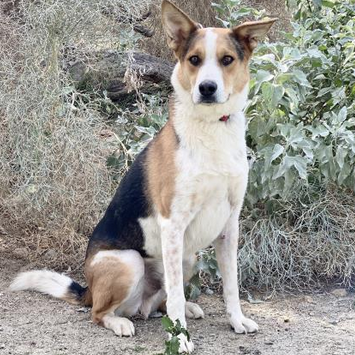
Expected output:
(299, 217)
(301, 113)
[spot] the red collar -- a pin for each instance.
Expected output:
(225, 118)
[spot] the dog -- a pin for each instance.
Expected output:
(183, 192)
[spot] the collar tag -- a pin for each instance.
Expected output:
(224, 118)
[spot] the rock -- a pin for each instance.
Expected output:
(208, 291)
(21, 252)
(51, 254)
(339, 292)
(83, 310)
(308, 299)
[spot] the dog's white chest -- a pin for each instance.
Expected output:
(211, 179)
(214, 211)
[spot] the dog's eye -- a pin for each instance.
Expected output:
(195, 60)
(226, 60)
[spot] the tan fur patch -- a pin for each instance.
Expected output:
(161, 168)
(187, 73)
(109, 282)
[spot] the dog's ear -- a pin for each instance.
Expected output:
(178, 26)
(250, 33)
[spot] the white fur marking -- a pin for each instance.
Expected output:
(44, 281)
(226, 252)
(128, 256)
(120, 326)
(185, 346)
(210, 70)
(193, 311)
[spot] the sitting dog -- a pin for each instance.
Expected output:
(183, 193)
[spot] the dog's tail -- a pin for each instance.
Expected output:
(54, 284)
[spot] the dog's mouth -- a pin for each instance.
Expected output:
(211, 101)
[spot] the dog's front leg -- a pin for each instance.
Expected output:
(226, 251)
(172, 237)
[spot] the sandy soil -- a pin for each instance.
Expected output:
(322, 324)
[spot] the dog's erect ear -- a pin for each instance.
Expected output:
(178, 26)
(251, 32)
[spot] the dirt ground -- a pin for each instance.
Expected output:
(321, 324)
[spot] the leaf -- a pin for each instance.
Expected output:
(296, 136)
(308, 152)
(277, 93)
(324, 91)
(344, 173)
(167, 323)
(301, 78)
(292, 94)
(320, 130)
(315, 53)
(301, 165)
(327, 3)
(342, 114)
(172, 346)
(340, 156)
(277, 151)
(261, 77)
(297, 162)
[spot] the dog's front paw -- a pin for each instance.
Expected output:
(122, 327)
(186, 346)
(241, 324)
(193, 311)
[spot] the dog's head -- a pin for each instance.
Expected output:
(212, 64)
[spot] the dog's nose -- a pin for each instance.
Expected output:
(207, 88)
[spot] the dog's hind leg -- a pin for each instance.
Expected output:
(116, 281)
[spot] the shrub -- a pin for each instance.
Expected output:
(301, 132)
(299, 216)
(54, 181)
(301, 114)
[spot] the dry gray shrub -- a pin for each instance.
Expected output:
(310, 241)
(54, 182)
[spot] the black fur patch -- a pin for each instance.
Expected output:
(76, 290)
(237, 46)
(187, 44)
(119, 228)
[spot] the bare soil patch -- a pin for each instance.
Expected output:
(318, 324)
